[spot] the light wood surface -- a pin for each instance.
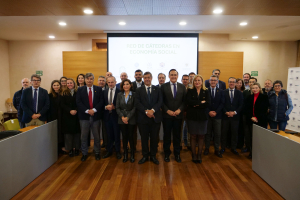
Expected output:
(77, 62)
(229, 178)
(27, 128)
(294, 137)
(230, 64)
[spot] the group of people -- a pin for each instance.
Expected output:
(194, 112)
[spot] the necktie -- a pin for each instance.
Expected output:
(91, 98)
(110, 97)
(149, 94)
(213, 93)
(35, 100)
(174, 92)
(231, 95)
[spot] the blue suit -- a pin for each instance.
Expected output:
(222, 85)
(118, 85)
(217, 103)
(27, 104)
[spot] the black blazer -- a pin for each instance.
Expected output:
(261, 107)
(217, 103)
(70, 123)
(196, 110)
(171, 103)
(105, 100)
(126, 110)
(27, 104)
(222, 85)
(142, 103)
(236, 105)
(82, 101)
(134, 86)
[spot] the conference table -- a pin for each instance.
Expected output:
(276, 159)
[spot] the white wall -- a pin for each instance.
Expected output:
(4, 74)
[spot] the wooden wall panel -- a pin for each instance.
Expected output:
(77, 62)
(230, 64)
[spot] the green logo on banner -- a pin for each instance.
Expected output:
(40, 73)
(254, 73)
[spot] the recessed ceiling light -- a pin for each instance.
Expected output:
(122, 23)
(62, 23)
(255, 37)
(182, 23)
(217, 11)
(243, 23)
(51, 36)
(88, 11)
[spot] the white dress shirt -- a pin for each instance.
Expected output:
(213, 91)
(88, 90)
(37, 97)
(172, 87)
(232, 92)
(147, 88)
(138, 84)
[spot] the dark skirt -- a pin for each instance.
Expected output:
(197, 127)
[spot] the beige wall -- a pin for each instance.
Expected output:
(4, 74)
(270, 59)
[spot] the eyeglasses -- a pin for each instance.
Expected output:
(213, 80)
(35, 80)
(231, 81)
(277, 86)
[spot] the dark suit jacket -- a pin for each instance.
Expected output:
(17, 103)
(222, 85)
(105, 100)
(236, 105)
(70, 123)
(217, 103)
(196, 110)
(118, 85)
(142, 103)
(27, 104)
(134, 86)
(261, 107)
(82, 101)
(171, 103)
(126, 110)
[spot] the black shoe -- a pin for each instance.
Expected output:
(222, 151)
(195, 161)
(189, 148)
(108, 154)
(83, 158)
(125, 159)
(97, 156)
(154, 160)
(143, 160)
(206, 151)
(244, 150)
(250, 156)
(103, 145)
(199, 161)
(71, 153)
(132, 157)
(178, 159)
(76, 152)
(217, 153)
(180, 147)
(167, 158)
(235, 152)
(119, 155)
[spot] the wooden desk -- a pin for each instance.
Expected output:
(295, 137)
(27, 128)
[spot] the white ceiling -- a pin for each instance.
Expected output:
(270, 28)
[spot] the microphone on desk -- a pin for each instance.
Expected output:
(291, 132)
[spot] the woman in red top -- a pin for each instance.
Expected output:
(256, 110)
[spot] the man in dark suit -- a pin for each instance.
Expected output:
(35, 103)
(231, 114)
(102, 84)
(215, 116)
(148, 103)
(220, 84)
(138, 75)
(89, 102)
(123, 76)
(17, 100)
(111, 118)
(185, 136)
(173, 108)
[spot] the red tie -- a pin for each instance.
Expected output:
(91, 99)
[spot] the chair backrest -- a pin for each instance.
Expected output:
(12, 124)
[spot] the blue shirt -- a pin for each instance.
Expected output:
(126, 99)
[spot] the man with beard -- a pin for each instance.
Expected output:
(246, 78)
(268, 86)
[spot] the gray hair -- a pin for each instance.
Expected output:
(231, 78)
(101, 77)
(89, 75)
(160, 74)
(111, 77)
(23, 79)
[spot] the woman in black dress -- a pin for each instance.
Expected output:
(197, 101)
(54, 112)
(70, 120)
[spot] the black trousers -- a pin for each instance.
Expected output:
(232, 125)
(149, 130)
(104, 133)
(127, 135)
(172, 125)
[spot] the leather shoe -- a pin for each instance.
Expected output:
(178, 159)
(119, 155)
(167, 158)
(206, 151)
(217, 153)
(83, 158)
(71, 153)
(76, 152)
(235, 152)
(108, 154)
(154, 160)
(222, 151)
(143, 160)
(97, 156)
(199, 161)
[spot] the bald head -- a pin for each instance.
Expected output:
(123, 76)
(25, 83)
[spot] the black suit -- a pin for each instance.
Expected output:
(148, 127)
(172, 123)
(231, 123)
(134, 85)
(222, 85)
(27, 104)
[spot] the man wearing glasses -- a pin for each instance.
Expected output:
(35, 103)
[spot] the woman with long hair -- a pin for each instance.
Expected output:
(80, 80)
(63, 82)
